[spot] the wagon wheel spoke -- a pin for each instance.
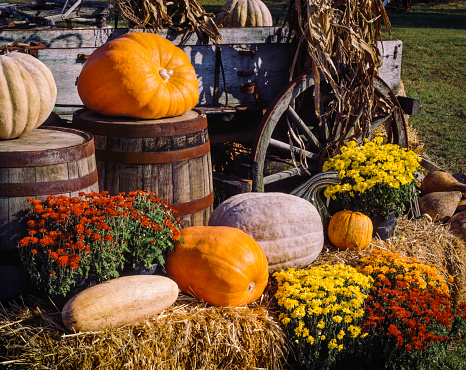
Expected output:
(287, 174)
(285, 147)
(301, 126)
(271, 148)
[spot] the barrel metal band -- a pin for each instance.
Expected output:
(153, 157)
(193, 206)
(13, 189)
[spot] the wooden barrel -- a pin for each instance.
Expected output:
(169, 157)
(46, 161)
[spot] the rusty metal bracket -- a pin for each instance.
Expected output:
(248, 53)
(81, 58)
(32, 48)
(253, 88)
(218, 69)
(245, 73)
(8, 25)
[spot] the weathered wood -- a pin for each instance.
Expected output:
(390, 71)
(230, 185)
(409, 105)
(47, 13)
(279, 176)
(94, 37)
(399, 131)
(169, 157)
(269, 73)
(47, 161)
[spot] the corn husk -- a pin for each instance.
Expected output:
(184, 15)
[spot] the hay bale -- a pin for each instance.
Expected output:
(188, 335)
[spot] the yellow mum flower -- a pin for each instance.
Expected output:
(332, 344)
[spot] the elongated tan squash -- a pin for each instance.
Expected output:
(118, 302)
(27, 94)
(440, 205)
(457, 225)
(440, 181)
(288, 228)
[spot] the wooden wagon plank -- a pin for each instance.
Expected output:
(94, 37)
(390, 71)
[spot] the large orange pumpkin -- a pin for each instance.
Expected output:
(221, 265)
(350, 230)
(139, 75)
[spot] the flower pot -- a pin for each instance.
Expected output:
(127, 271)
(383, 227)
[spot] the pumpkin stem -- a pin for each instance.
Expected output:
(251, 286)
(165, 73)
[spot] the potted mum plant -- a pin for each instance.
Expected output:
(377, 179)
(89, 239)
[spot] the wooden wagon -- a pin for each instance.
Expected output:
(244, 91)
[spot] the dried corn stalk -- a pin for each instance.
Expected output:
(186, 15)
(337, 39)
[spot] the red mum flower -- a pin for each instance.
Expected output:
(62, 260)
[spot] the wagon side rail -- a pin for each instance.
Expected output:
(259, 57)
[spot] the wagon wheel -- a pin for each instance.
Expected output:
(272, 146)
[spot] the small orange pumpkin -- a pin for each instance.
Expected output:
(221, 265)
(140, 75)
(350, 230)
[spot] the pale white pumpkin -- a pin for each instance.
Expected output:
(245, 13)
(27, 94)
(288, 228)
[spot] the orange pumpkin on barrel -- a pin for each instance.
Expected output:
(140, 75)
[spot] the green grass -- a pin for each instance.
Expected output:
(433, 70)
